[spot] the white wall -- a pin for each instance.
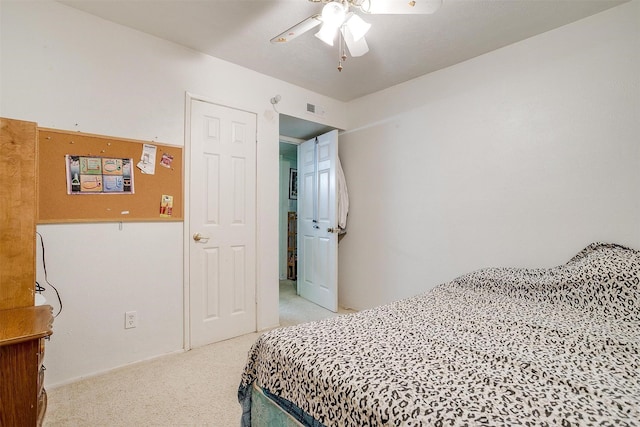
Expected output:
(69, 70)
(520, 157)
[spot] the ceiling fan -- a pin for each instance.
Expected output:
(339, 18)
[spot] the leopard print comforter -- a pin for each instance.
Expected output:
(499, 346)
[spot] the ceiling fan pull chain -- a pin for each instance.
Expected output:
(344, 49)
(341, 51)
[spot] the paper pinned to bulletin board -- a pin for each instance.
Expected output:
(147, 163)
(166, 206)
(107, 195)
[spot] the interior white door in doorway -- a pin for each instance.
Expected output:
(318, 220)
(222, 223)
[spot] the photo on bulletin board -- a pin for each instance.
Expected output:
(102, 175)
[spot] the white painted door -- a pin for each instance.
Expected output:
(222, 223)
(318, 220)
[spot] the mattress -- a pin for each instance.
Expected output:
(499, 346)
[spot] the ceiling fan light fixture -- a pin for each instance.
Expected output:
(333, 14)
(357, 26)
(327, 33)
(356, 47)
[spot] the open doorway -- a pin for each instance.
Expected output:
(293, 131)
(288, 209)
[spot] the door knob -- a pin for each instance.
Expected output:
(200, 238)
(333, 230)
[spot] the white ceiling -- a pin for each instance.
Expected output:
(402, 47)
(300, 129)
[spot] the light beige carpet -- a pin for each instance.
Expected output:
(195, 388)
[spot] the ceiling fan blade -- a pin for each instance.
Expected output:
(298, 29)
(399, 7)
(356, 47)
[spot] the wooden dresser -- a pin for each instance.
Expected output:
(23, 400)
(23, 326)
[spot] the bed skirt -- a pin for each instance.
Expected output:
(266, 413)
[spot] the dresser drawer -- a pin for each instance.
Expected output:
(23, 400)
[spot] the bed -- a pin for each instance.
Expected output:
(499, 346)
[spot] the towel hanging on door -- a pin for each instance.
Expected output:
(343, 197)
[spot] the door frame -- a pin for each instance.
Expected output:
(189, 98)
(297, 141)
(282, 234)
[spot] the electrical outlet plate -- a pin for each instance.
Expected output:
(130, 319)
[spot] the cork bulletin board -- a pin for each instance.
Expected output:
(147, 200)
